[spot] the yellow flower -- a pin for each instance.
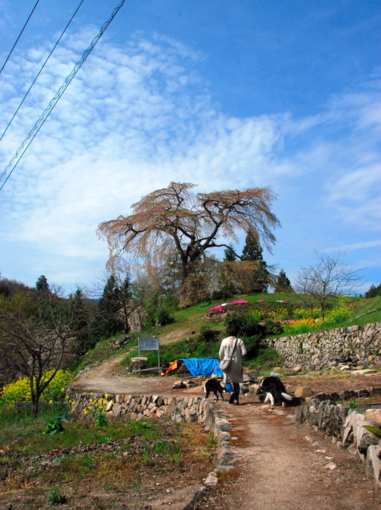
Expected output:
(85, 411)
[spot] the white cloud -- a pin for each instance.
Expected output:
(139, 116)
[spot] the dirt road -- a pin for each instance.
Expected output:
(279, 464)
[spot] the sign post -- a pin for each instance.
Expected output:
(150, 344)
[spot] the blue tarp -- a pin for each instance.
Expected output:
(203, 366)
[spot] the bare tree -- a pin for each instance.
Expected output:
(174, 220)
(326, 279)
(33, 340)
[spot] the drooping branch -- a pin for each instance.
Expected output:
(175, 220)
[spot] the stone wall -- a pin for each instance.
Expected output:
(347, 425)
(317, 350)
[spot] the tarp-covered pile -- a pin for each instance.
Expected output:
(197, 366)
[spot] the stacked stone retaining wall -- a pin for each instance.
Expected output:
(317, 350)
(347, 425)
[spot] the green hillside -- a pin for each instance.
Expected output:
(196, 332)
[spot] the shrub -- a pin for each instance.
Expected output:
(164, 317)
(274, 328)
(247, 324)
(209, 335)
(337, 315)
(253, 345)
(19, 391)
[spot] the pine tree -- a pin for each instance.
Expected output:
(373, 291)
(82, 319)
(108, 321)
(283, 284)
(252, 249)
(42, 283)
(230, 255)
(125, 296)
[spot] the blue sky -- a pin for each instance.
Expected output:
(224, 94)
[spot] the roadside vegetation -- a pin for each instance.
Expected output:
(48, 464)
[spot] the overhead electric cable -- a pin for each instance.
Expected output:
(39, 72)
(20, 34)
(36, 128)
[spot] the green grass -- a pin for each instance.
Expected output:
(192, 319)
(120, 456)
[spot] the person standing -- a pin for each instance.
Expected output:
(232, 348)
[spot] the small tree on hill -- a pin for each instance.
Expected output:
(283, 284)
(252, 251)
(42, 283)
(329, 277)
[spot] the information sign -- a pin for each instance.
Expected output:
(149, 344)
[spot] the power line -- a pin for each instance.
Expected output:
(39, 72)
(20, 34)
(38, 125)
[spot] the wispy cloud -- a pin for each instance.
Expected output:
(140, 115)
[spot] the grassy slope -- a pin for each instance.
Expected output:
(180, 339)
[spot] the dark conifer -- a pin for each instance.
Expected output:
(42, 283)
(230, 255)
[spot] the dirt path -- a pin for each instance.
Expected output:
(279, 464)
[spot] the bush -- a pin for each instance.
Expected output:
(337, 315)
(209, 335)
(19, 391)
(273, 328)
(253, 345)
(164, 317)
(247, 324)
(227, 291)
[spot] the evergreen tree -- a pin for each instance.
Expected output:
(108, 318)
(230, 255)
(252, 249)
(125, 296)
(373, 291)
(283, 284)
(42, 283)
(82, 319)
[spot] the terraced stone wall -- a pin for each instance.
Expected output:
(317, 350)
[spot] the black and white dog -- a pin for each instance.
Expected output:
(213, 386)
(276, 393)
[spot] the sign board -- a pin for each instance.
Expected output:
(149, 344)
